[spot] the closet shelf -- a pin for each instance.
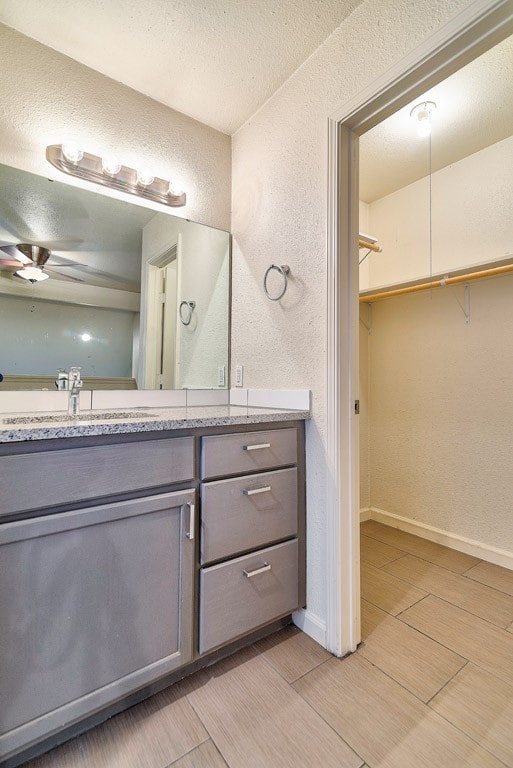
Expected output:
(440, 283)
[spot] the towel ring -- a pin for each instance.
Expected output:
(284, 270)
(186, 320)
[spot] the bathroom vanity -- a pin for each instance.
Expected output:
(134, 551)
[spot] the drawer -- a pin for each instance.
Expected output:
(247, 512)
(38, 480)
(243, 594)
(247, 452)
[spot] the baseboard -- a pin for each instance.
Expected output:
(312, 625)
(365, 514)
(486, 552)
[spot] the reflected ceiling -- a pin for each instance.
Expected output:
(101, 235)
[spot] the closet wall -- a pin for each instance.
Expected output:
(438, 438)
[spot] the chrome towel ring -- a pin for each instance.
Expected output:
(186, 316)
(284, 271)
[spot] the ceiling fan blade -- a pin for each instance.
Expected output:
(55, 271)
(14, 253)
(7, 263)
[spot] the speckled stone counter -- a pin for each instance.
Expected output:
(24, 427)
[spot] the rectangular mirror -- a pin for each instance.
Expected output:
(137, 298)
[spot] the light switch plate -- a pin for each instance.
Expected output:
(239, 375)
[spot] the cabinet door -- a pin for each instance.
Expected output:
(94, 604)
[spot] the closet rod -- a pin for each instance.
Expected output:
(370, 246)
(437, 283)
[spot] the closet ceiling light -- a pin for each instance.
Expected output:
(422, 114)
(109, 172)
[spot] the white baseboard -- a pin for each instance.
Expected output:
(365, 514)
(312, 625)
(486, 552)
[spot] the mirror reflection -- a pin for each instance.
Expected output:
(137, 299)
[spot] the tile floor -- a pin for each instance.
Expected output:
(430, 687)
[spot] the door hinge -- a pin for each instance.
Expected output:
(357, 407)
(162, 298)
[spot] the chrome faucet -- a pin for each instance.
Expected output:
(76, 384)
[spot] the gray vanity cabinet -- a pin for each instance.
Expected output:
(95, 603)
(114, 580)
(245, 583)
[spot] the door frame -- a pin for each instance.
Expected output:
(480, 26)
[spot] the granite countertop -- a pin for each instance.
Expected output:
(44, 426)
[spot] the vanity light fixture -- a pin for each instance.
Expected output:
(111, 166)
(109, 172)
(422, 113)
(72, 152)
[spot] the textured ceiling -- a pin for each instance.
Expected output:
(474, 110)
(215, 60)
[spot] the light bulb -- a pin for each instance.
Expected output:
(422, 114)
(111, 165)
(34, 274)
(174, 190)
(144, 178)
(424, 126)
(86, 337)
(72, 152)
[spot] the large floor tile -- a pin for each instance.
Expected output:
(204, 756)
(427, 550)
(292, 653)
(388, 592)
(256, 719)
(384, 723)
(482, 706)
(419, 664)
(476, 598)
(471, 637)
(152, 734)
(376, 552)
(492, 575)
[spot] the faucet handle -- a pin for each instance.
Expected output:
(74, 377)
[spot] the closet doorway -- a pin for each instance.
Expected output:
(436, 376)
(470, 34)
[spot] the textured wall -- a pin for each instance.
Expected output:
(442, 410)
(279, 215)
(472, 219)
(47, 98)
(365, 416)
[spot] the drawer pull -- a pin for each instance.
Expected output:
(249, 574)
(252, 491)
(256, 447)
(192, 518)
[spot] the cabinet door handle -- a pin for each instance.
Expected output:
(252, 491)
(192, 520)
(249, 574)
(256, 447)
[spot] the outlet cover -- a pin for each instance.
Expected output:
(239, 375)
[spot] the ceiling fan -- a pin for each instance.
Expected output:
(29, 260)
(32, 262)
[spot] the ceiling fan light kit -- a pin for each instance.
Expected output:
(109, 172)
(34, 274)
